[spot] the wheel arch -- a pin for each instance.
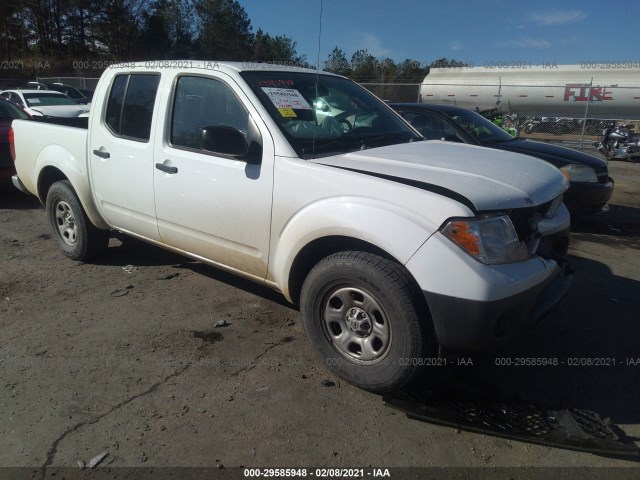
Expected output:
(48, 176)
(322, 247)
(51, 174)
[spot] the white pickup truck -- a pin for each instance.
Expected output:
(393, 246)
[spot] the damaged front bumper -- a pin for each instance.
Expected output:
(475, 306)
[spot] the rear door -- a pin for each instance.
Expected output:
(209, 204)
(121, 154)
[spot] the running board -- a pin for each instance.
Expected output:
(570, 428)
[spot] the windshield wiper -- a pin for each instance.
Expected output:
(393, 137)
(342, 144)
(357, 143)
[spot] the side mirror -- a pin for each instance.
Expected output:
(225, 140)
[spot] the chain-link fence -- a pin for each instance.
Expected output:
(83, 83)
(395, 92)
(573, 113)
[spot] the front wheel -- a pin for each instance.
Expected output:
(367, 320)
(77, 237)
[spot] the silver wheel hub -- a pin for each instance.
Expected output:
(66, 223)
(356, 324)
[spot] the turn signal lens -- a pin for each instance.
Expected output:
(460, 232)
(490, 240)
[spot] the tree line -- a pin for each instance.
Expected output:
(364, 67)
(64, 32)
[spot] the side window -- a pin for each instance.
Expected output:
(430, 126)
(204, 102)
(114, 104)
(130, 105)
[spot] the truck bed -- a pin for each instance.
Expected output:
(77, 122)
(60, 143)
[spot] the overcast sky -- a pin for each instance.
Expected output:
(475, 31)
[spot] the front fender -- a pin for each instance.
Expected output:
(74, 168)
(397, 231)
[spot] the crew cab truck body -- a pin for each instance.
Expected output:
(391, 245)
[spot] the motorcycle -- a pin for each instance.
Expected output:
(619, 142)
(495, 116)
(556, 126)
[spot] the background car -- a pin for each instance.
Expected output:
(45, 103)
(71, 92)
(8, 113)
(590, 185)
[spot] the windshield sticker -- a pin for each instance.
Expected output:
(287, 98)
(34, 100)
(276, 83)
(287, 112)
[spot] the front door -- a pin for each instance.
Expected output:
(209, 204)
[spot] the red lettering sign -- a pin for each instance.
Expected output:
(583, 92)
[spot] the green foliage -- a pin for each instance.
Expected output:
(166, 31)
(446, 63)
(279, 49)
(223, 30)
(337, 63)
(63, 32)
(365, 68)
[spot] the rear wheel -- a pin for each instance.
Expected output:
(77, 237)
(366, 319)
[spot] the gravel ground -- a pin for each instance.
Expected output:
(122, 356)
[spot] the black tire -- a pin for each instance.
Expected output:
(77, 237)
(367, 320)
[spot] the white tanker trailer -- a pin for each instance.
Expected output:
(572, 91)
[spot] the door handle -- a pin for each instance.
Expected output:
(166, 168)
(101, 153)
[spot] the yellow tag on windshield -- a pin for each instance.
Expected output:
(287, 112)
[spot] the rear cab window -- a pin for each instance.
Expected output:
(130, 105)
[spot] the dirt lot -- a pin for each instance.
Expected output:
(121, 356)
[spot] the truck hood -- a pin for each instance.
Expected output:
(482, 178)
(60, 110)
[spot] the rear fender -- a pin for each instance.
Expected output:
(74, 169)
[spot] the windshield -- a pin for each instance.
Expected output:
(479, 127)
(8, 111)
(70, 92)
(47, 99)
(334, 116)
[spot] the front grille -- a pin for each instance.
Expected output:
(521, 219)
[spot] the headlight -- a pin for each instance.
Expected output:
(490, 240)
(579, 173)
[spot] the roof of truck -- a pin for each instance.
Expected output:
(248, 65)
